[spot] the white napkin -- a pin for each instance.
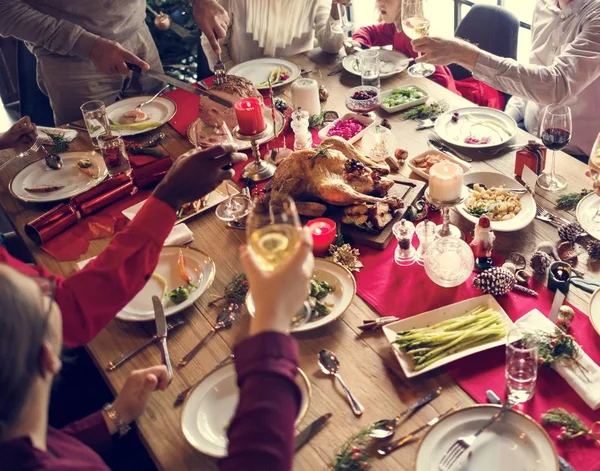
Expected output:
(68, 134)
(179, 235)
(589, 391)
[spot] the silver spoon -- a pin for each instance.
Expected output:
(225, 320)
(517, 191)
(329, 365)
(53, 161)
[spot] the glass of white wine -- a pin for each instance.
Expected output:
(415, 25)
(273, 235)
(594, 166)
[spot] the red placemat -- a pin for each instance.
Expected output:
(406, 291)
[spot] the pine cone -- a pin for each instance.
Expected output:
(540, 262)
(495, 281)
(593, 249)
(570, 231)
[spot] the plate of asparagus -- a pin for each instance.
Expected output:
(435, 338)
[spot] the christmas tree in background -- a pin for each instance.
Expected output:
(176, 34)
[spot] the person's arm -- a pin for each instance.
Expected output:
(91, 430)
(225, 43)
(329, 40)
(261, 435)
(24, 22)
(381, 34)
(90, 298)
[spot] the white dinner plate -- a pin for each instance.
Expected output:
(514, 442)
(201, 269)
(419, 171)
(595, 310)
(364, 120)
(208, 132)
(438, 315)
(214, 198)
(160, 111)
(210, 407)
(258, 70)
(390, 63)
(478, 122)
(493, 179)
(69, 176)
(586, 210)
(344, 290)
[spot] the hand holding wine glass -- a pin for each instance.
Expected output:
(415, 25)
(555, 130)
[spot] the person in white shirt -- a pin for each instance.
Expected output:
(564, 67)
(274, 28)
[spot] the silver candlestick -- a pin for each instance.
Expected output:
(259, 169)
(445, 229)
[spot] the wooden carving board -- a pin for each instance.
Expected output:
(407, 189)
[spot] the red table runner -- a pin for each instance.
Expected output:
(406, 291)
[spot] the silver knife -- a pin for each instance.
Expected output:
(559, 298)
(182, 85)
(409, 438)
(305, 435)
(161, 333)
(563, 464)
(447, 150)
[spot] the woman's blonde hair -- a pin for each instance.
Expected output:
(397, 20)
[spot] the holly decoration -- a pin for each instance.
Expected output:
(353, 454)
(571, 426)
(498, 281)
(235, 291)
(593, 249)
(60, 144)
(570, 232)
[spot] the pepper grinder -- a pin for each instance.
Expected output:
(426, 233)
(405, 254)
(302, 136)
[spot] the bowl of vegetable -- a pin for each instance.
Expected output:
(351, 127)
(398, 99)
(363, 99)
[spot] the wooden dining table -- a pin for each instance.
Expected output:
(367, 362)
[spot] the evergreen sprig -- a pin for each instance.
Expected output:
(353, 455)
(570, 200)
(59, 143)
(571, 426)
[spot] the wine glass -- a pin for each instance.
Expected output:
(273, 237)
(594, 166)
(555, 131)
(343, 26)
(415, 25)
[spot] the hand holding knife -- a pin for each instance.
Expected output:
(161, 333)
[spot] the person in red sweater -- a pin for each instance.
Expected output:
(389, 32)
(125, 266)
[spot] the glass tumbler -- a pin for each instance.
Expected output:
(96, 120)
(369, 68)
(114, 154)
(522, 352)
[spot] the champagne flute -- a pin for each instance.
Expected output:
(415, 25)
(273, 235)
(344, 26)
(555, 132)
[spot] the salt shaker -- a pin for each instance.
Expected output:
(302, 136)
(405, 253)
(426, 233)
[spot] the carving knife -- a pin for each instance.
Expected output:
(305, 435)
(161, 333)
(562, 463)
(182, 85)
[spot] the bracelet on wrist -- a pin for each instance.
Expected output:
(113, 415)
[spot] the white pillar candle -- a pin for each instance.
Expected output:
(305, 95)
(445, 182)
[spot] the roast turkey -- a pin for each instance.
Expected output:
(334, 173)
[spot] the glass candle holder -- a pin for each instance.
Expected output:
(114, 154)
(379, 143)
(405, 253)
(426, 231)
(449, 262)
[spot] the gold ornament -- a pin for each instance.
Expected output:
(163, 21)
(345, 256)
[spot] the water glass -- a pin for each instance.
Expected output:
(369, 68)
(522, 353)
(96, 120)
(114, 153)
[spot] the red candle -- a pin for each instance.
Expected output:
(249, 115)
(323, 232)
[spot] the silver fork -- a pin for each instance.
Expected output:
(544, 213)
(34, 148)
(220, 72)
(464, 443)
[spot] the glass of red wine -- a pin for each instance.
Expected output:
(555, 131)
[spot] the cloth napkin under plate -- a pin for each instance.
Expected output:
(589, 391)
(43, 133)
